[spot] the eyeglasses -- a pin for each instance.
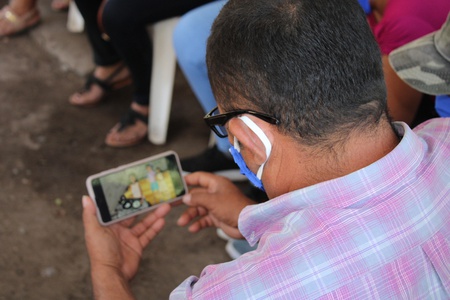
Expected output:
(217, 121)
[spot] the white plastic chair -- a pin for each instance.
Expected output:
(75, 22)
(163, 76)
(161, 84)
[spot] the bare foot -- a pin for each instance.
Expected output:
(142, 109)
(60, 5)
(18, 17)
(131, 132)
(104, 79)
(22, 7)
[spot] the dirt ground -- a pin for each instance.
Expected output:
(48, 148)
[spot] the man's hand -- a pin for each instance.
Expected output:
(115, 251)
(215, 201)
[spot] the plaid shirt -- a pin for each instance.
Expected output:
(382, 232)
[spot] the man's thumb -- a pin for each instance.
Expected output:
(89, 211)
(198, 198)
(187, 199)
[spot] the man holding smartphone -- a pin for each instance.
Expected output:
(358, 205)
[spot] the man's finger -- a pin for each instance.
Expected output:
(198, 198)
(150, 219)
(200, 224)
(202, 179)
(89, 213)
(190, 214)
(148, 235)
(162, 210)
(194, 178)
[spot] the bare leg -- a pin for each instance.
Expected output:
(132, 134)
(95, 93)
(21, 7)
(18, 16)
(60, 5)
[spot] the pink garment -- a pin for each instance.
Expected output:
(381, 232)
(406, 20)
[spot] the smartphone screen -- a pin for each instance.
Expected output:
(136, 187)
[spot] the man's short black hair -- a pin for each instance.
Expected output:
(313, 64)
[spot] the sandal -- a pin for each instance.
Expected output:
(14, 24)
(60, 5)
(104, 86)
(131, 130)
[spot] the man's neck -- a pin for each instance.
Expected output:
(363, 149)
(308, 166)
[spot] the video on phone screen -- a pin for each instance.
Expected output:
(139, 187)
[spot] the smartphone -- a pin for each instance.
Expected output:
(137, 187)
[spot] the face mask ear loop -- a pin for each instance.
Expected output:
(262, 136)
(236, 145)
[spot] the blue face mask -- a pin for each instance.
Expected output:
(235, 151)
(442, 105)
(366, 6)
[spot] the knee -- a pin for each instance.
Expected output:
(190, 46)
(181, 35)
(192, 32)
(115, 19)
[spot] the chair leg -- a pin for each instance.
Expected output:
(75, 22)
(161, 84)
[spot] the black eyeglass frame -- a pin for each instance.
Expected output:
(222, 119)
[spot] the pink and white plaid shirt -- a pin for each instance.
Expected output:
(382, 232)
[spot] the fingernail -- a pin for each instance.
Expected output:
(187, 199)
(85, 200)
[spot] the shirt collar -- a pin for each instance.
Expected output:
(352, 190)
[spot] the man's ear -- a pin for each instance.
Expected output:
(252, 148)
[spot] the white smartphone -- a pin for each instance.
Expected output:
(137, 187)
